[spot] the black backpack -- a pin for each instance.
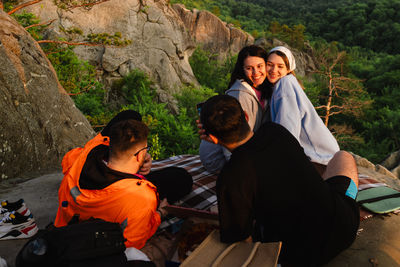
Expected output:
(88, 243)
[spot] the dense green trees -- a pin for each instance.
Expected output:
(381, 125)
(365, 31)
(252, 17)
(373, 24)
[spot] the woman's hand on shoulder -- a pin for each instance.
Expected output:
(202, 132)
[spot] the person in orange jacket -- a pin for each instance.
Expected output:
(102, 180)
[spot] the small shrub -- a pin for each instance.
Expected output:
(27, 19)
(210, 72)
(190, 97)
(172, 135)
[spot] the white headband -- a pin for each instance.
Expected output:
(288, 54)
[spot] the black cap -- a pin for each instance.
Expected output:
(123, 115)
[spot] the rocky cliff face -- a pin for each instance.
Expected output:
(213, 34)
(393, 163)
(163, 37)
(39, 122)
(379, 168)
(160, 46)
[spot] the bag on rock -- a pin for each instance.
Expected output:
(88, 243)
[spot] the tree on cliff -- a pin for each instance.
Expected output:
(76, 76)
(341, 93)
(294, 36)
(29, 21)
(64, 4)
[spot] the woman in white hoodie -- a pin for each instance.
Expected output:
(291, 108)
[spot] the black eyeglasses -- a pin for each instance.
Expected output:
(146, 147)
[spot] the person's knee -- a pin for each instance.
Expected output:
(345, 155)
(185, 180)
(348, 162)
(342, 163)
(343, 159)
(172, 182)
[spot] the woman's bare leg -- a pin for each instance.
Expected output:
(344, 164)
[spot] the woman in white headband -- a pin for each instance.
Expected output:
(290, 107)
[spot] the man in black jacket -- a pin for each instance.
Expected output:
(269, 190)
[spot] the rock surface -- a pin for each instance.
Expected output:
(213, 34)
(39, 122)
(379, 239)
(363, 162)
(393, 163)
(161, 46)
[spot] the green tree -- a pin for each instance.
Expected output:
(255, 34)
(275, 27)
(210, 72)
(216, 11)
(173, 134)
(189, 97)
(380, 124)
(297, 37)
(343, 94)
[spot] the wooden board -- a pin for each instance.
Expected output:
(190, 212)
(211, 249)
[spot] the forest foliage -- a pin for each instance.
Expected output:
(365, 32)
(371, 24)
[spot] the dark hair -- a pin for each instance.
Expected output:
(223, 117)
(123, 115)
(238, 71)
(126, 134)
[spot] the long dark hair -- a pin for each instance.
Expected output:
(238, 71)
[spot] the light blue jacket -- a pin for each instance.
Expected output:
(291, 108)
(215, 156)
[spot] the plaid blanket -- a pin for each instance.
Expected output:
(365, 182)
(203, 196)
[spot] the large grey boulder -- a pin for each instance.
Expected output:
(363, 162)
(39, 122)
(213, 34)
(161, 46)
(392, 162)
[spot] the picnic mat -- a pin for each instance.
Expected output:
(366, 182)
(373, 196)
(203, 196)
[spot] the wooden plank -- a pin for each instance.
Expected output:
(182, 212)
